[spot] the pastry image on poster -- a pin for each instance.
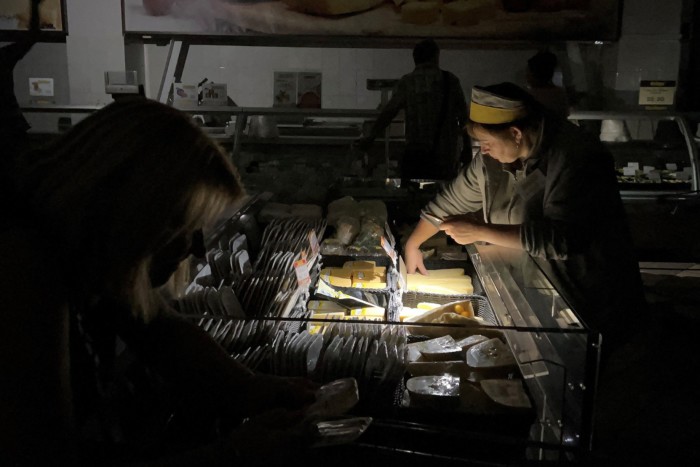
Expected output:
(309, 90)
(468, 19)
(15, 15)
(285, 89)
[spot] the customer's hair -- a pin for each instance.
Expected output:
(129, 178)
(530, 124)
(425, 51)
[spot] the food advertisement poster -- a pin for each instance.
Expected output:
(41, 87)
(272, 20)
(185, 96)
(15, 16)
(309, 90)
(285, 89)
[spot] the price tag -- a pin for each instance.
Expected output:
(633, 165)
(389, 250)
(671, 167)
(648, 169)
(301, 269)
(629, 171)
(658, 92)
(313, 241)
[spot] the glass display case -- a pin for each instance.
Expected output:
(656, 159)
(548, 384)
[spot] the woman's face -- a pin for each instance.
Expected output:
(504, 150)
(166, 260)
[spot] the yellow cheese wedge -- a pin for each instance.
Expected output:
(324, 306)
(445, 273)
(334, 315)
(337, 277)
(420, 12)
(380, 271)
(369, 311)
(427, 306)
(441, 286)
(407, 313)
(332, 7)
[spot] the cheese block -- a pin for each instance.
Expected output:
(445, 273)
(368, 311)
(420, 12)
(380, 271)
(407, 313)
(490, 359)
(324, 306)
(467, 12)
(374, 283)
(328, 315)
(506, 393)
(439, 349)
(365, 266)
(332, 7)
(470, 341)
(491, 353)
(439, 285)
(337, 277)
(454, 367)
(436, 391)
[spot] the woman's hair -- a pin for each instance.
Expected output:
(529, 125)
(128, 179)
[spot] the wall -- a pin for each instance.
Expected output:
(248, 71)
(648, 49)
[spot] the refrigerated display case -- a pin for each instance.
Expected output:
(555, 360)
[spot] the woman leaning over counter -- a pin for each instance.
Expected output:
(543, 185)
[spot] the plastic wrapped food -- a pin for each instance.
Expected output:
(343, 207)
(347, 229)
(374, 210)
(332, 246)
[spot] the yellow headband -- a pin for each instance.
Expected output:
(490, 108)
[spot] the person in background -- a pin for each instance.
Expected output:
(435, 112)
(539, 75)
(109, 212)
(13, 125)
(542, 185)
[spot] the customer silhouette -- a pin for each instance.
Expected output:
(435, 110)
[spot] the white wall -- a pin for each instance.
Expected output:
(648, 49)
(249, 71)
(94, 45)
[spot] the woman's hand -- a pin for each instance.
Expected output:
(463, 229)
(414, 259)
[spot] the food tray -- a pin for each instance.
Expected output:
(481, 305)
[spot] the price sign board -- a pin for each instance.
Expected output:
(657, 93)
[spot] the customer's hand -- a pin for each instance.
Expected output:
(278, 437)
(363, 143)
(414, 259)
(269, 391)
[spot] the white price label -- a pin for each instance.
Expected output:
(389, 250)
(657, 93)
(301, 269)
(313, 241)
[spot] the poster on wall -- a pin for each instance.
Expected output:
(285, 89)
(267, 20)
(15, 16)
